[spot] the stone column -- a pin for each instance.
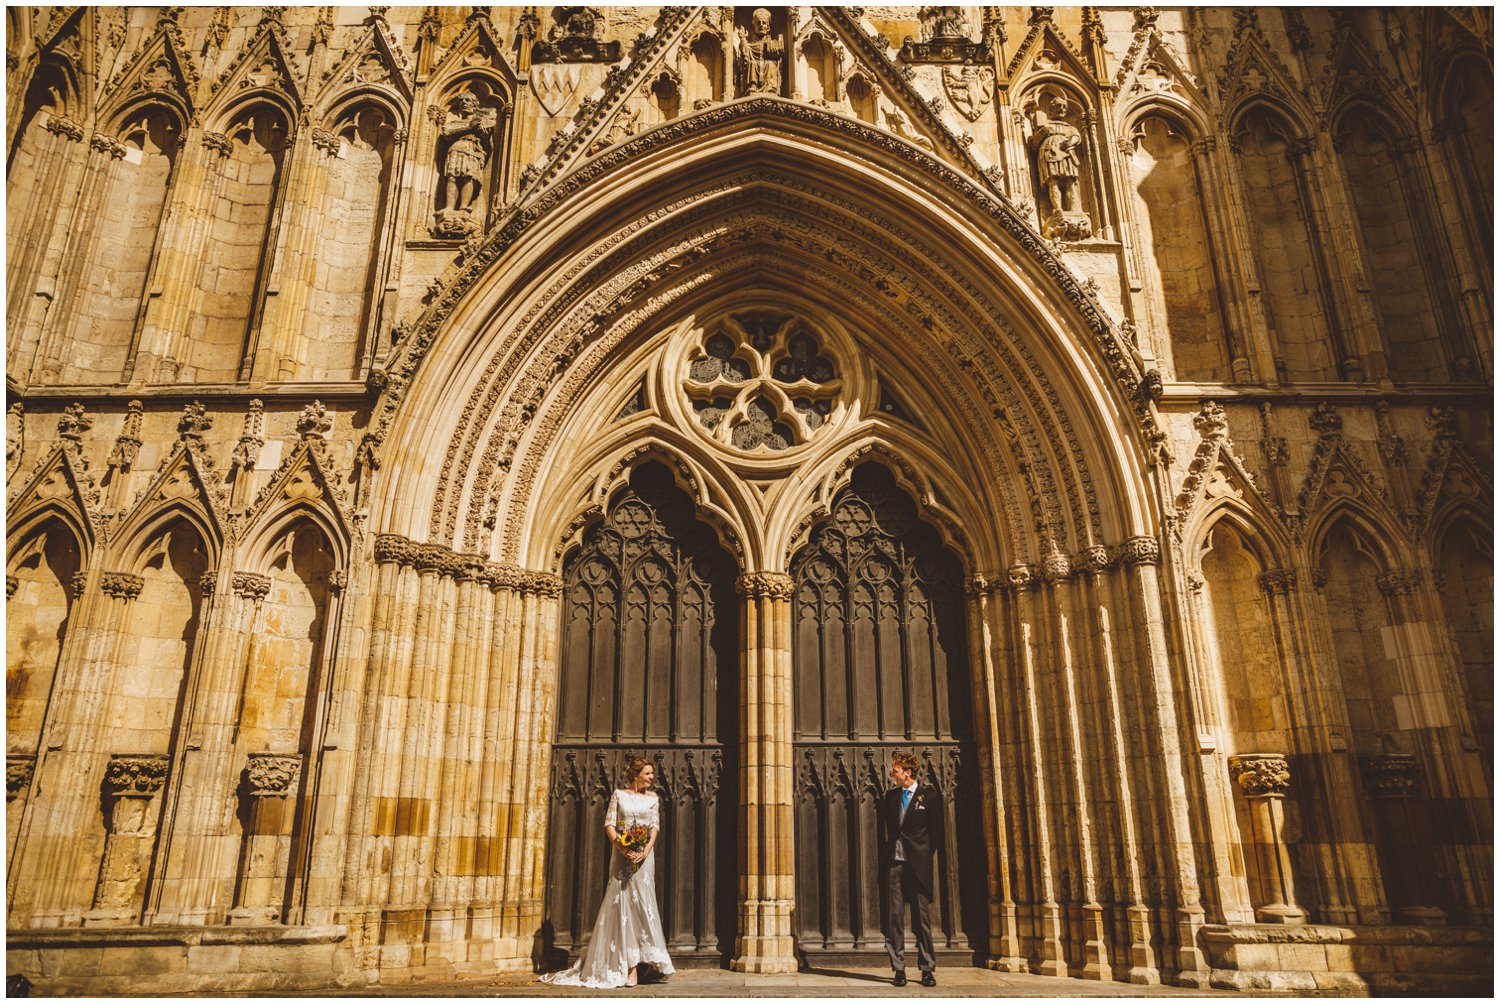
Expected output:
(1264, 779)
(1141, 557)
(766, 877)
(131, 786)
(987, 632)
(1409, 872)
(270, 779)
(1302, 154)
(1047, 916)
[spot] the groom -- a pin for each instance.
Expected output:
(911, 827)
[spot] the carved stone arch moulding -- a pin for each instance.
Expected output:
(419, 335)
(976, 312)
(1001, 391)
(907, 477)
(616, 478)
(59, 483)
(598, 356)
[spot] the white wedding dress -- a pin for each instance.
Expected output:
(628, 931)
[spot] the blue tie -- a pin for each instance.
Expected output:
(905, 798)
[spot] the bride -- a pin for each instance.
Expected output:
(628, 932)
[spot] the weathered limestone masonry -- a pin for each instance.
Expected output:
(1095, 400)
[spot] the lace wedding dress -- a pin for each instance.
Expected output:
(628, 931)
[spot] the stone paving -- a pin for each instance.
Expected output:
(830, 982)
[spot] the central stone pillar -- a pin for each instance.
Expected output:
(268, 793)
(131, 787)
(766, 879)
(1264, 779)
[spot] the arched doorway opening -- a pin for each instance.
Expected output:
(879, 663)
(648, 663)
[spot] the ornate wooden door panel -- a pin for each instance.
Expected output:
(648, 669)
(879, 664)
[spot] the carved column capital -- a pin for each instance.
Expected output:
(1398, 583)
(394, 548)
(1056, 567)
(1278, 581)
(251, 585)
(1023, 576)
(121, 585)
(218, 143)
(1141, 551)
(1390, 775)
(984, 584)
(271, 775)
(64, 127)
(107, 145)
(131, 775)
(765, 585)
(1093, 559)
(326, 141)
(1261, 775)
(1203, 146)
(1300, 149)
(541, 584)
(498, 575)
(18, 770)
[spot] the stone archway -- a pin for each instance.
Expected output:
(647, 667)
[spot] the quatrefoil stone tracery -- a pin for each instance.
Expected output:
(758, 383)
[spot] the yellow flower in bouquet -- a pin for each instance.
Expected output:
(635, 839)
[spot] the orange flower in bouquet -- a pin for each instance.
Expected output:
(635, 839)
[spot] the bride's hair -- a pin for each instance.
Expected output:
(634, 767)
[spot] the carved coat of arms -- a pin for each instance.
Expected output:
(554, 84)
(970, 88)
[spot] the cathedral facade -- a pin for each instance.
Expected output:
(415, 412)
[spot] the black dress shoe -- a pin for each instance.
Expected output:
(900, 978)
(928, 980)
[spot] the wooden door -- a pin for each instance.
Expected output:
(880, 663)
(648, 668)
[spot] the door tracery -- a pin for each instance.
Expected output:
(879, 664)
(647, 669)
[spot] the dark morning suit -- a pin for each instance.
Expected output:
(918, 834)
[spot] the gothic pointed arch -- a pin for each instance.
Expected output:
(305, 487)
(185, 487)
(1218, 485)
(162, 69)
(673, 276)
(60, 488)
(1151, 74)
(1254, 74)
(266, 69)
(376, 64)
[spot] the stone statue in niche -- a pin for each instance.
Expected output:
(1056, 143)
(468, 134)
(758, 56)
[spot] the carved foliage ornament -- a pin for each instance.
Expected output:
(133, 776)
(1261, 775)
(271, 775)
(1390, 775)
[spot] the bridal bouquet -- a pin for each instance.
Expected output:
(634, 839)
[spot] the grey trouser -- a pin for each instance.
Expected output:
(897, 890)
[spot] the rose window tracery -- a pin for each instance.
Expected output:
(762, 382)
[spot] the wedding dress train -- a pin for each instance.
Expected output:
(628, 931)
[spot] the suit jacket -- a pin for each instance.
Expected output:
(919, 833)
